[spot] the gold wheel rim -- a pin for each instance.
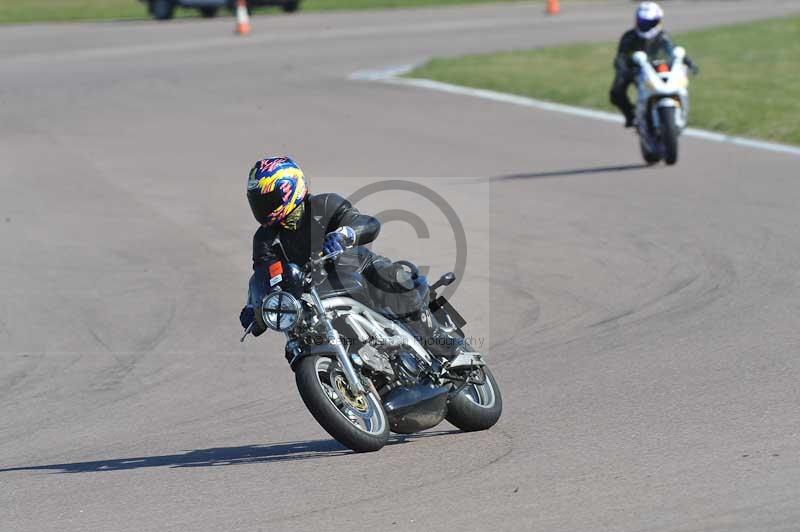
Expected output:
(358, 402)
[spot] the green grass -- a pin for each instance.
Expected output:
(57, 10)
(17, 11)
(749, 83)
(328, 5)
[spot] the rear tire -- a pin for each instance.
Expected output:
(291, 6)
(476, 407)
(162, 9)
(208, 12)
(311, 376)
(669, 134)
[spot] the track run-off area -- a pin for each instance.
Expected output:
(641, 321)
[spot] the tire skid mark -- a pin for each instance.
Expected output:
(528, 316)
(447, 479)
(697, 289)
(14, 380)
(79, 410)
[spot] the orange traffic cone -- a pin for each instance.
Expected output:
(242, 18)
(553, 7)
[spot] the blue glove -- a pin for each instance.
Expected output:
(247, 316)
(339, 240)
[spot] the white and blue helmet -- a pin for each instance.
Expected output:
(648, 20)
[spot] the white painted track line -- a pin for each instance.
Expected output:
(392, 75)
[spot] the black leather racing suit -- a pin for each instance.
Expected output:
(659, 47)
(391, 289)
(323, 213)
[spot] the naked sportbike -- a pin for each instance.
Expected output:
(362, 374)
(662, 107)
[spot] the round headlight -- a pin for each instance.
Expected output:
(280, 311)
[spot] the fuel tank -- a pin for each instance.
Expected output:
(415, 408)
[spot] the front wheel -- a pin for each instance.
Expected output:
(669, 133)
(477, 406)
(358, 423)
(650, 157)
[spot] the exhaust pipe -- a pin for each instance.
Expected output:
(415, 408)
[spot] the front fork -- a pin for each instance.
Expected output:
(680, 107)
(350, 373)
(651, 137)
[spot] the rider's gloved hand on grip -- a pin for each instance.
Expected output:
(339, 240)
(247, 316)
(694, 69)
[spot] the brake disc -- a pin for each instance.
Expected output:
(357, 402)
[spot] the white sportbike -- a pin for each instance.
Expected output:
(662, 107)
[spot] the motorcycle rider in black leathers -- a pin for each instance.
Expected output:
(297, 227)
(649, 37)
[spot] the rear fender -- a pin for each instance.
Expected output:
(446, 315)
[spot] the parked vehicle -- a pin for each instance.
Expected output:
(165, 9)
(362, 373)
(662, 108)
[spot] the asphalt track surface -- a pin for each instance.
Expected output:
(641, 321)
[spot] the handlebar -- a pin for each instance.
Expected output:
(310, 265)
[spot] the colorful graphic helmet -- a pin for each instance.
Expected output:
(648, 20)
(276, 187)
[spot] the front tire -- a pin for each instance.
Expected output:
(648, 156)
(669, 134)
(358, 423)
(476, 407)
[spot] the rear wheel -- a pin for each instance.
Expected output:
(290, 6)
(162, 9)
(358, 423)
(477, 406)
(669, 134)
(208, 12)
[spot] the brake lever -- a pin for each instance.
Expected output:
(247, 331)
(330, 256)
